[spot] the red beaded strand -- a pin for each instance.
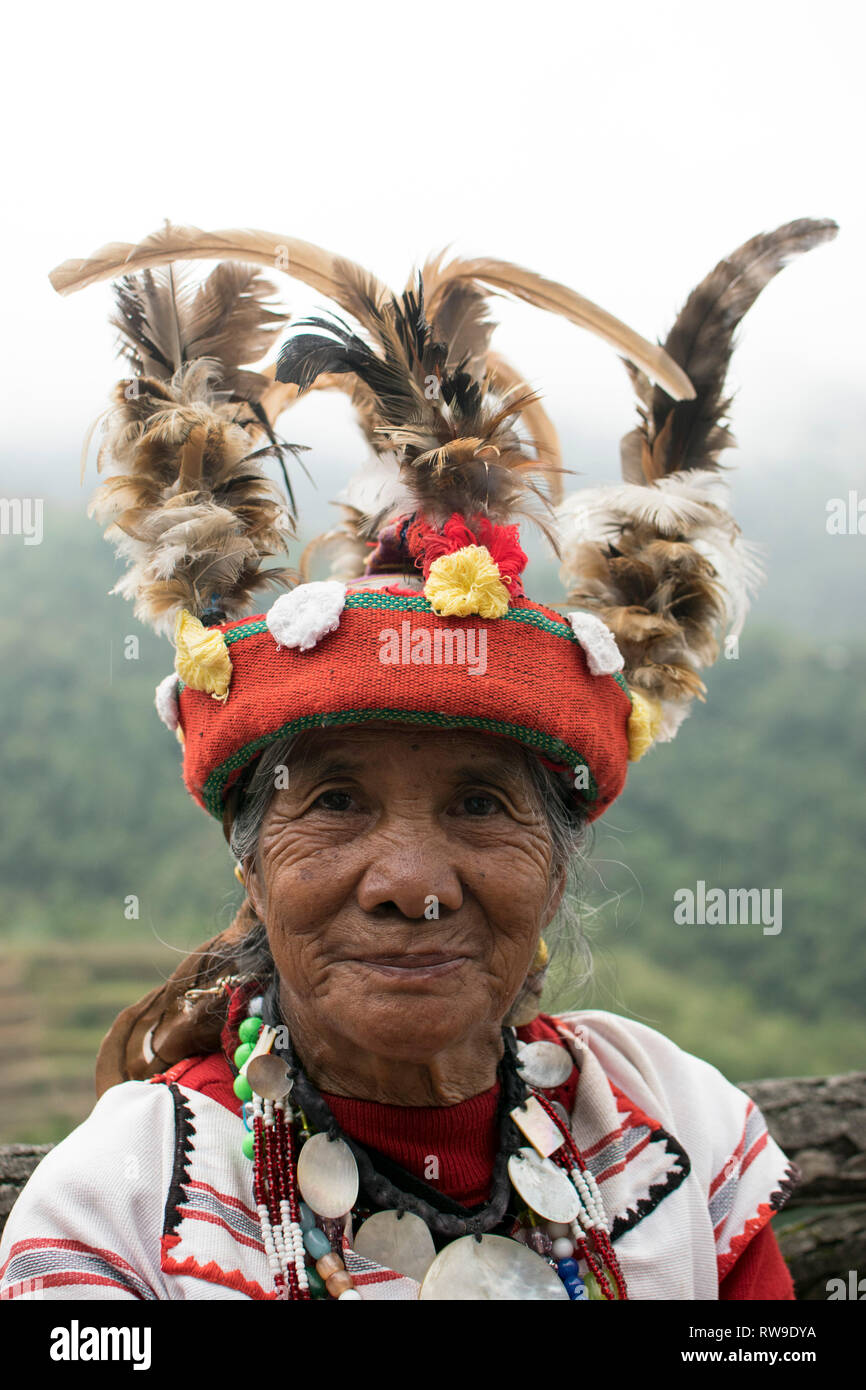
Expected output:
(287, 1170)
(599, 1236)
(262, 1196)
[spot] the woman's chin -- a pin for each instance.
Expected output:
(414, 1028)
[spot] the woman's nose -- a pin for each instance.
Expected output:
(417, 878)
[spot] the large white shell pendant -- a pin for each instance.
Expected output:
(544, 1064)
(328, 1176)
(269, 1076)
(492, 1268)
(543, 1186)
(398, 1242)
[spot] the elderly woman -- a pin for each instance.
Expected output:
(352, 1093)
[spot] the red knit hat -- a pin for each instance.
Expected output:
(523, 676)
(426, 622)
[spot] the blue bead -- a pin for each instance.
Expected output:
(308, 1217)
(316, 1243)
(569, 1273)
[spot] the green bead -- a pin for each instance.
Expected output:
(316, 1243)
(308, 1218)
(249, 1146)
(316, 1283)
(242, 1053)
(249, 1030)
(242, 1088)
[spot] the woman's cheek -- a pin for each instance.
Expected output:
(513, 879)
(292, 857)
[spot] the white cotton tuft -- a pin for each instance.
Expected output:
(166, 702)
(306, 614)
(602, 653)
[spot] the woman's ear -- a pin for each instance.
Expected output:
(556, 896)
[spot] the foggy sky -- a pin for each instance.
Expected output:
(622, 149)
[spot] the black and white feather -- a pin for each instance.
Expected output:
(659, 557)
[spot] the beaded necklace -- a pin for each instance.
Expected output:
(541, 1256)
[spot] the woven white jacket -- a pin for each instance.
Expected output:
(151, 1197)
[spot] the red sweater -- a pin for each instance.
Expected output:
(464, 1140)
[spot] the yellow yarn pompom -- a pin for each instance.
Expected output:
(465, 583)
(202, 658)
(643, 724)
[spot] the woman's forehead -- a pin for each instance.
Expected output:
(360, 746)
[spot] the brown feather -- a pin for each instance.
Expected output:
(660, 559)
(299, 259)
(559, 299)
(188, 507)
(689, 434)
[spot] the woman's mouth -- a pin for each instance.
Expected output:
(413, 967)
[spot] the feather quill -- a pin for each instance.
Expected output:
(515, 280)
(299, 259)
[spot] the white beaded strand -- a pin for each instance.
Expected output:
(293, 1234)
(275, 1240)
(268, 1239)
(590, 1200)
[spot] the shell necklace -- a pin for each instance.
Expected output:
(306, 1185)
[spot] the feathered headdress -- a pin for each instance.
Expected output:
(462, 449)
(454, 430)
(659, 558)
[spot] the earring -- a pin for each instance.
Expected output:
(541, 957)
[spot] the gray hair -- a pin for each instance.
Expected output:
(566, 823)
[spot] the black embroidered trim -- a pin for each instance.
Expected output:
(658, 1191)
(787, 1187)
(184, 1130)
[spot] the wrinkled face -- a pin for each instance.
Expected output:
(404, 878)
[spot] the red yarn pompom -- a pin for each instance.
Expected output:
(427, 543)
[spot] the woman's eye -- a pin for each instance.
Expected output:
(334, 801)
(479, 805)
